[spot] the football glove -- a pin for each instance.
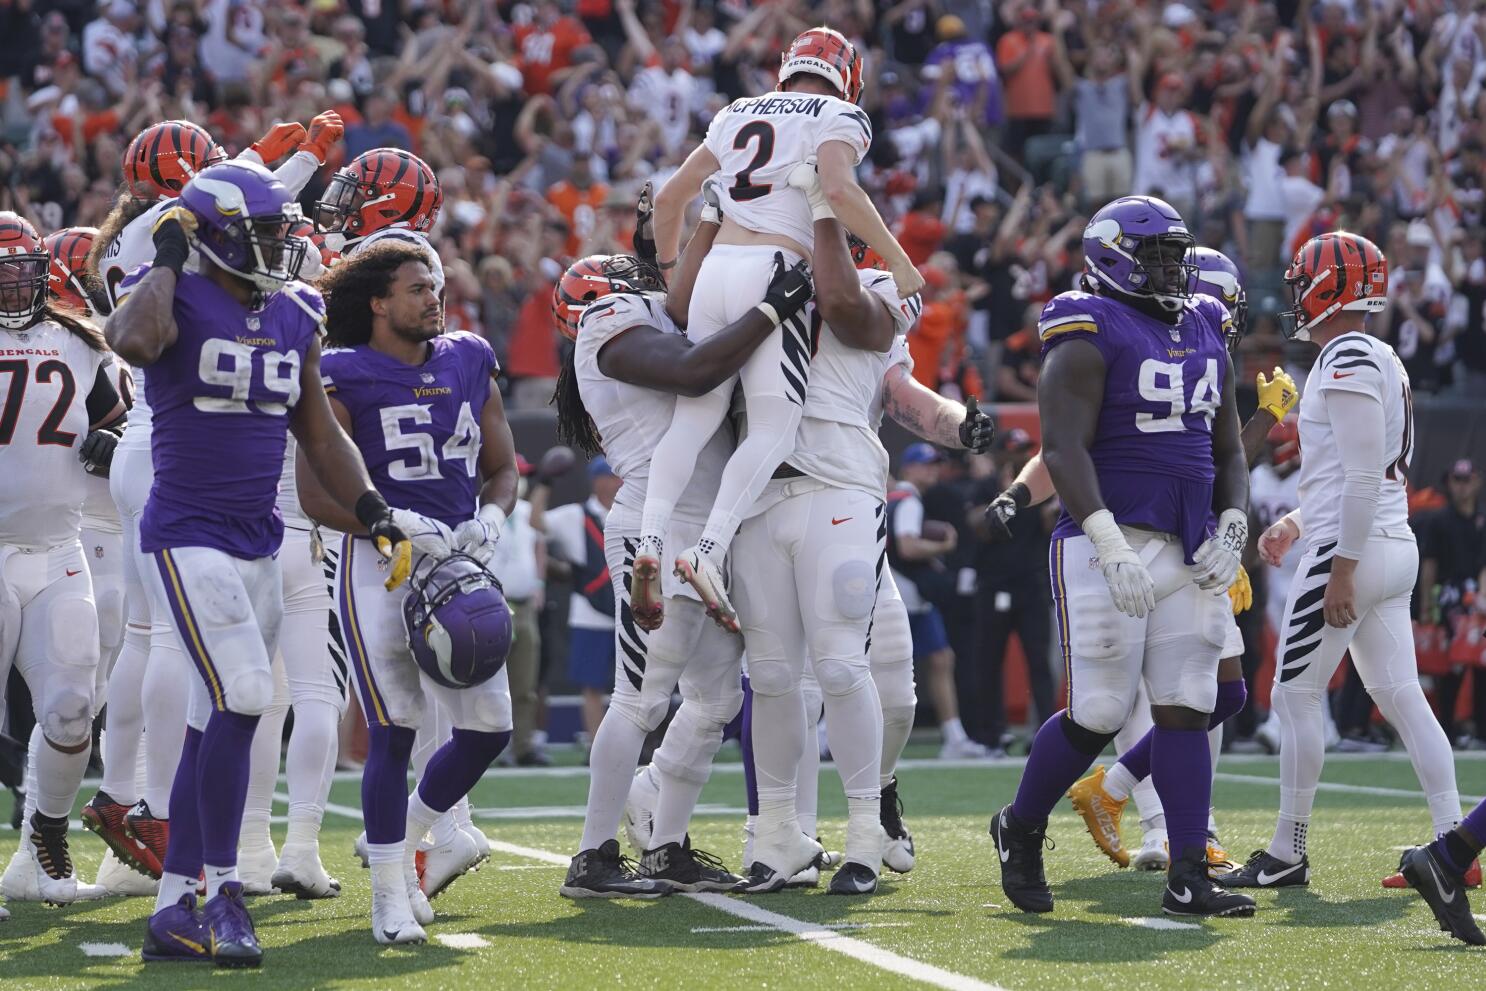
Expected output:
(97, 451)
(390, 539)
(1217, 560)
(278, 142)
(1277, 395)
(325, 130)
(789, 290)
(428, 536)
(645, 227)
(478, 537)
(1130, 583)
(1241, 592)
(977, 430)
(1003, 510)
(712, 202)
(172, 236)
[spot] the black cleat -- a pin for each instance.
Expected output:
(1264, 871)
(1189, 891)
(897, 841)
(603, 873)
(1019, 848)
(853, 879)
(1443, 891)
(681, 868)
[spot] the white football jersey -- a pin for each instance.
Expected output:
(288, 501)
(1270, 498)
(49, 375)
(630, 419)
(757, 143)
(837, 440)
(1355, 363)
(405, 234)
(99, 511)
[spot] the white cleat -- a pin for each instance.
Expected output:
(778, 856)
(117, 878)
(897, 854)
(359, 849)
(446, 862)
(639, 809)
(301, 874)
(255, 867)
(808, 878)
(647, 602)
(25, 881)
(830, 859)
(482, 842)
(966, 749)
(417, 900)
(698, 571)
(1152, 855)
(392, 916)
(4, 913)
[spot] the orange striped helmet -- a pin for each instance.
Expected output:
(165, 156)
(384, 187)
(68, 249)
(828, 54)
(592, 278)
(23, 272)
(1332, 272)
(862, 255)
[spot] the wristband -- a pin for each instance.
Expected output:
(666, 266)
(371, 508)
(1020, 494)
(767, 309)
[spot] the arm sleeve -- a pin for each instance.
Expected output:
(296, 173)
(1357, 422)
(103, 397)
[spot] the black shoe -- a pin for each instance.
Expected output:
(681, 868)
(1443, 891)
(1264, 871)
(603, 873)
(1019, 848)
(853, 879)
(1189, 891)
(534, 758)
(897, 844)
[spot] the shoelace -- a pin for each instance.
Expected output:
(708, 860)
(52, 852)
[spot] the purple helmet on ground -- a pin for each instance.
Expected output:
(1139, 247)
(1219, 278)
(458, 623)
(244, 217)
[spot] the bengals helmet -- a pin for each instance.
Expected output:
(1333, 272)
(165, 156)
(23, 272)
(68, 249)
(384, 187)
(862, 255)
(825, 53)
(593, 278)
(1284, 440)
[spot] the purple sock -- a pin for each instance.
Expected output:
(745, 739)
(222, 783)
(1052, 767)
(1231, 697)
(455, 769)
(183, 850)
(384, 783)
(1455, 850)
(1181, 768)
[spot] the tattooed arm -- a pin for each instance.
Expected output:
(920, 410)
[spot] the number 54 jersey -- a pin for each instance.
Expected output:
(418, 426)
(1163, 384)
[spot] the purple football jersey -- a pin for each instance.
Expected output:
(1163, 385)
(221, 396)
(418, 426)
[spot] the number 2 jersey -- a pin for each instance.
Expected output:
(757, 143)
(418, 426)
(1163, 384)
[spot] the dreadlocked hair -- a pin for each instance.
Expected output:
(77, 323)
(574, 426)
(350, 287)
(126, 209)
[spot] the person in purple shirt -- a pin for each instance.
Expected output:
(233, 353)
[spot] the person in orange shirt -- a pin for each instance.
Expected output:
(546, 46)
(579, 199)
(532, 355)
(936, 327)
(1024, 57)
(921, 232)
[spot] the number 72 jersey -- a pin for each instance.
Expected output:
(418, 426)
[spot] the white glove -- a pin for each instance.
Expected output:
(478, 537)
(429, 537)
(1130, 583)
(712, 201)
(1216, 561)
(804, 178)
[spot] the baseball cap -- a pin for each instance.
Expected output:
(599, 467)
(921, 453)
(1017, 439)
(1463, 468)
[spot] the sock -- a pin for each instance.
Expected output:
(863, 832)
(854, 726)
(172, 888)
(745, 741)
(461, 813)
(1289, 838)
(263, 775)
(673, 807)
(457, 766)
(776, 754)
(681, 766)
(1119, 780)
(58, 776)
(165, 697)
(1474, 826)
(420, 819)
(1182, 775)
(183, 857)
(216, 876)
(304, 826)
(386, 861)
(1137, 759)
(125, 722)
(897, 724)
(310, 762)
(1053, 765)
(222, 783)
(611, 763)
(952, 730)
(1302, 752)
(1458, 847)
(772, 424)
(384, 783)
(807, 785)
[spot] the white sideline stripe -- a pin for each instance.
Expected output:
(463, 941)
(831, 925)
(1336, 786)
(528, 867)
(579, 811)
(1156, 922)
(105, 950)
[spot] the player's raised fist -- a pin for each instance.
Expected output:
(790, 289)
(645, 226)
(325, 130)
(280, 139)
(907, 278)
(1003, 510)
(977, 430)
(172, 236)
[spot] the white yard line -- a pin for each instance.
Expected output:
(833, 925)
(578, 811)
(105, 950)
(1157, 922)
(1336, 786)
(462, 941)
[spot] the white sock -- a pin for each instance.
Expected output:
(172, 888)
(863, 832)
(124, 726)
(1302, 752)
(953, 730)
(675, 804)
(263, 775)
(1212, 823)
(58, 776)
(216, 876)
(681, 766)
(420, 820)
(1215, 745)
(386, 854)
(854, 726)
(807, 787)
(897, 724)
(1119, 782)
(310, 758)
(778, 742)
(461, 814)
(1289, 838)
(611, 765)
(166, 696)
(304, 826)
(772, 424)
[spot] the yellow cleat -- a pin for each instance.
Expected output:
(1101, 814)
(1218, 861)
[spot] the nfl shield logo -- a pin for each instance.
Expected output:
(253, 323)
(427, 378)
(1176, 335)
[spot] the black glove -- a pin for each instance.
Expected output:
(977, 430)
(1003, 510)
(645, 228)
(97, 451)
(172, 237)
(789, 290)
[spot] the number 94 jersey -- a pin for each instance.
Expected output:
(418, 426)
(1163, 384)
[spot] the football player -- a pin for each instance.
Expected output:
(1141, 440)
(1438, 872)
(754, 145)
(423, 408)
(233, 360)
(1357, 572)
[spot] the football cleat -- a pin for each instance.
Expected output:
(153, 833)
(1218, 859)
(117, 878)
(359, 849)
(698, 571)
(482, 842)
(1472, 877)
(1019, 850)
(56, 881)
(448, 861)
(226, 919)
(830, 859)
(1190, 891)
(105, 817)
(392, 917)
(1101, 815)
(21, 881)
(1263, 871)
(1444, 893)
(853, 879)
(417, 900)
(177, 934)
(966, 749)
(639, 809)
(646, 602)
(603, 873)
(897, 841)
(301, 874)
(683, 869)
(1153, 854)
(808, 878)
(255, 868)
(4, 913)
(778, 855)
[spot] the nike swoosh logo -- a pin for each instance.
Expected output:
(391, 935)
(1185, 897)
(71, 574)
(792, 293)
(1005, 853)
(1439, 883)
(223, 873)
(1342, 375)
(1266, 878)
(190, 944)
(836, 522)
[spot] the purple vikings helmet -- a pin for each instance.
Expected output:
(458, 623)
(1138, 246)
(244, 217)
(1219, 278)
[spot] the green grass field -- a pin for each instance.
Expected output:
(944, 925)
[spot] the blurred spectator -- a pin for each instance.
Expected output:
(1452, 583)
(110, 54)
(1166, 148)
(1102, 97)
(1024, 56)
(546, 45)
(520, 563)
(377, 130)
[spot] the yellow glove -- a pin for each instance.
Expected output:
(1277, 395)
(401, 556)
(180, 215)
(1241, 592)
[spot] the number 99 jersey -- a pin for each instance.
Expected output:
(757, 143)
(1163, 384)
(418, 426)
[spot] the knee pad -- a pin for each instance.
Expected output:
(1085, 740)
(773, 676)
(481, 745)
(1100, 710)
(66, 716)
(1096, 632)
(248, 692)
(854, 588)
(493, 711)
(839, 676)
